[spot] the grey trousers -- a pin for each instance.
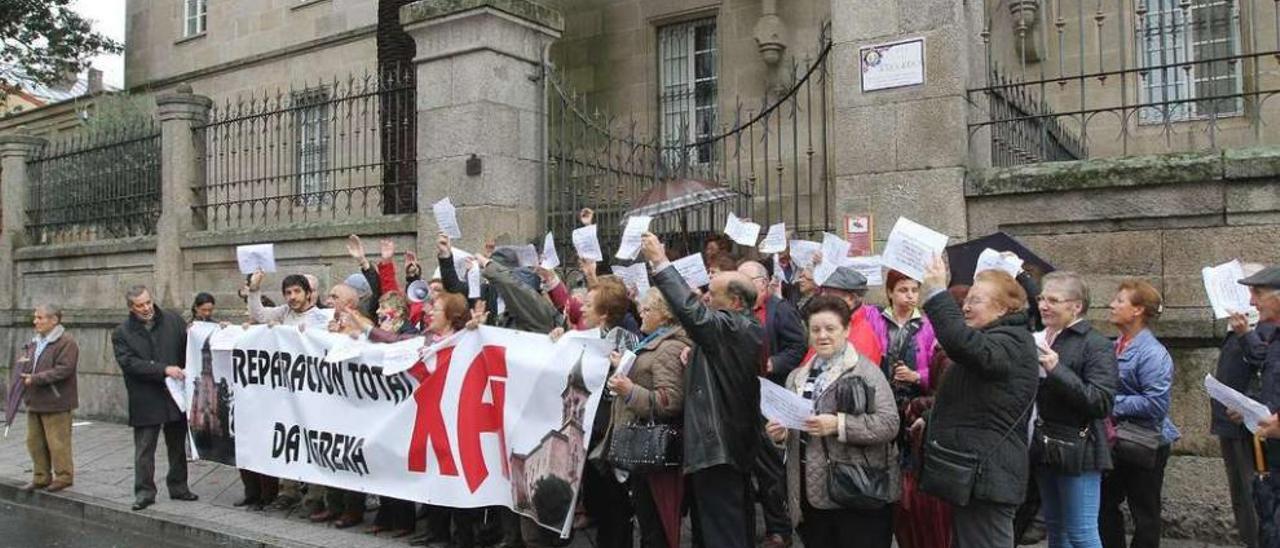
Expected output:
(144, 459)
(982, 525)
(1237, 458)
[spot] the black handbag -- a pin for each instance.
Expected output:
(1062, 448)
(861, 487)
(646, 446)
(951, 474)
(1137, 445)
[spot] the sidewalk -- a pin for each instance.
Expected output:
(103, 491)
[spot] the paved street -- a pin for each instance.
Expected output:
(95, 512)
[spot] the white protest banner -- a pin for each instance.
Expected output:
(490, 417)
(447, 218)
(776, 240)
(1226, 295)
(742, 232)
(550, 259)
(587, 244)
(991, 259)
(911, 247)
(254, 257)
(635, 276)
(802, 252)
(693, 270)
(636, 227)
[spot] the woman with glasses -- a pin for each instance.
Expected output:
(1077, 390)
(981, 405)
(653, 391)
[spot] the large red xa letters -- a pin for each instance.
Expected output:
(475, 417)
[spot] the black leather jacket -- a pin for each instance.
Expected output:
(722, 396)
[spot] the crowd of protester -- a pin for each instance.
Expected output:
(949, 416)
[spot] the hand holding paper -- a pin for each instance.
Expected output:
(587, 244)
(1226, 295)
(255, 257)
(776, 240)
(636, 227)
(784, 406)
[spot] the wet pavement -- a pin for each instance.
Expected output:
(26, 527)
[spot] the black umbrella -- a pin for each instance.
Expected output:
(963, 257)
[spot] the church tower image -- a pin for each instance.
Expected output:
(558, 456)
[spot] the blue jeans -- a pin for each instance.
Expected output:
(1070, 507)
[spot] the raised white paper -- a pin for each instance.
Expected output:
(991, 259)
(447, 218)
(587, 244)
(742, 232)
(784, 406)
(776, 240)
(834, 252)
(473, 282)
(869, 267)
(526, 255)
(1249, 409)
(550, 259)
(635, 276)
(1226, 295)
(254, 257)
(636, 227)
(693, 270)
(911, 247)
(802, 252)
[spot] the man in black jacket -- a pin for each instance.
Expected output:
(150, 346)
(722, 418)
(784, 347)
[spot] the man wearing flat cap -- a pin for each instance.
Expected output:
(851, 286)
(1263, 350)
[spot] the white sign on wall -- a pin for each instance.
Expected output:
(894, 65)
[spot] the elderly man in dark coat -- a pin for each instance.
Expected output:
(47, 366)
(722, 397)
(150, 346)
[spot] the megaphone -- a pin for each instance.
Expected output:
(417, 291)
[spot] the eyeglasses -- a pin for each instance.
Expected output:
(1053, 301)
(975, 301)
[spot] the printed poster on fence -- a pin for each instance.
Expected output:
(470, 424)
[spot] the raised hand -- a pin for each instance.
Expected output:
(652, 248)
(442, 246)
(387, 249)
(586, 216)
(255, 280)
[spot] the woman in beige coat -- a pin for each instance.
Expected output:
(654, 388)
(854, 422)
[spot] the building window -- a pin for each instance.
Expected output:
(687, 83)
(311, 124)
(1191, 61)
(195, 16)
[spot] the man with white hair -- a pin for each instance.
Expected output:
(47, 366)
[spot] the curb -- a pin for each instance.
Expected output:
(174, 529)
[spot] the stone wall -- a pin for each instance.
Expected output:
(89, 281)
(1160, 218)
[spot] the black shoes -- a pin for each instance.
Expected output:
(142, 504)
(188, 496)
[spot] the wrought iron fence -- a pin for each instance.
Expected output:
(1131, 76)
(773, 157)
(95, 185)
(1037, 137)
(343, 148)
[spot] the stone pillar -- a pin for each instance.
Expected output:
(480, 112)
(15, 150)
(905, 151)
(181, 148)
